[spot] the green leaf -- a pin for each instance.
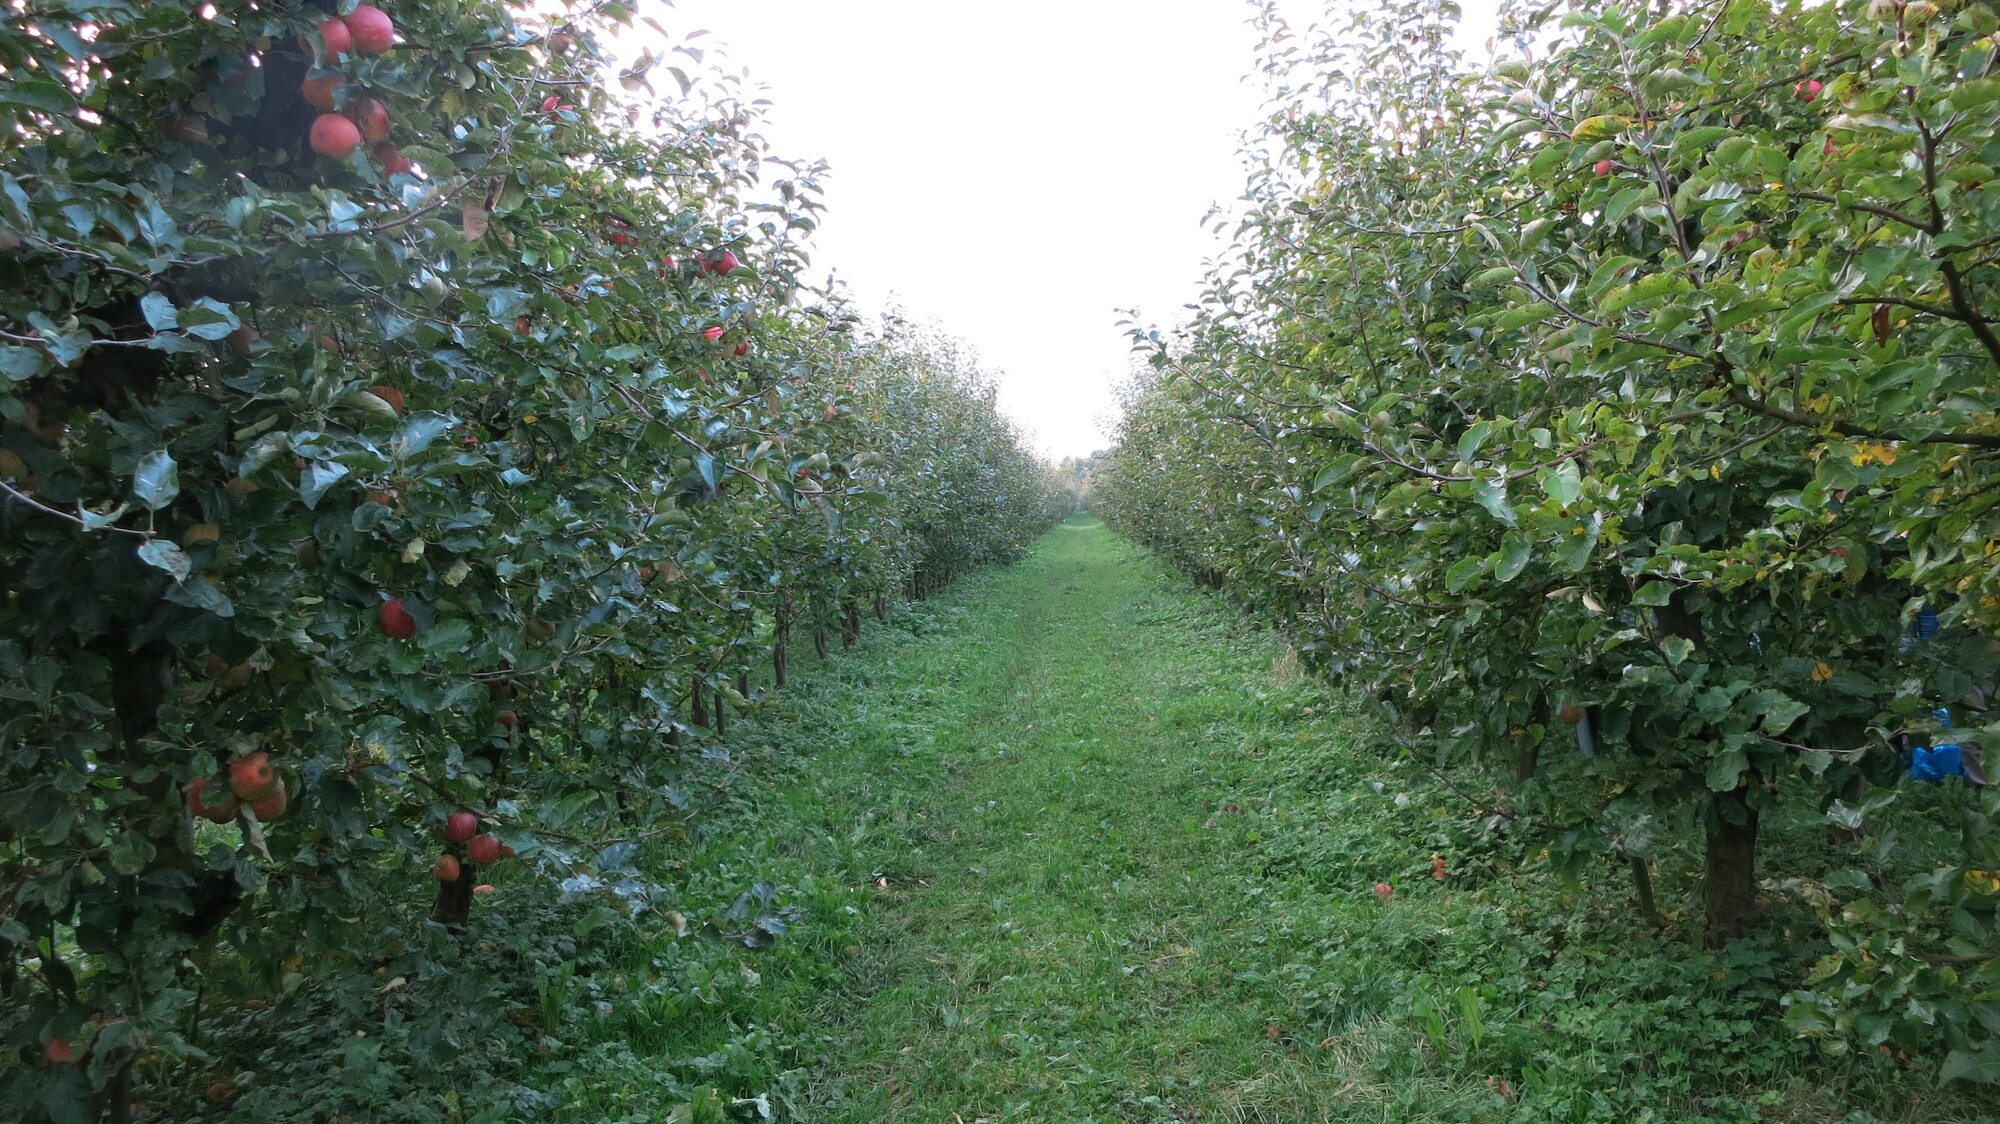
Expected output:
(156, 480)
(162, 554)
(1515, 551)
(1980, 1066)
(1725, 769)
(1677, 649)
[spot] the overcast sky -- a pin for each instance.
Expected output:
(1013, 172)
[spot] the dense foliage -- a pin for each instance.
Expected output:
(349, 487)
(1624, 416)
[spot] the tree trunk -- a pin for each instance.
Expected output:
(819, 642)
(1729, 876)
(697, 708)
(743, 685)
(454, 898)
(850, 625)
(781, 637)
(1642, 884)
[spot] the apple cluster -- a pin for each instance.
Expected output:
(367, 30)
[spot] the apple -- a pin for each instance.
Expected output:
(1603, 167)
(1570, 712)
(373, 31)
(720, 264)
(334, 136)
(561, 42)
(621, 238)
(541, 629)
(1437, 866)
(242, 486)
(743, 348)
(508, 718)
(483, 888)
(1383, 890)
(213, 813)
(1808, 90)
(383, 498)
(318, 92)
(372, 118)
(394, 163)
(339, 40)
(670, 263)
(242, 340)
(390, 395)
(251, 777)
(396, 621)
(460, 826)
(272, 806)
(58, 1051)
(714, 333)
(483, 849)
(445, 869)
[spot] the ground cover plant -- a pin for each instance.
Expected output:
(1620, 415)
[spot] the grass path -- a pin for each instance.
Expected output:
(1058, 919)
(1071, 844)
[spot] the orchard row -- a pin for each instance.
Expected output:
(1624, 422)
(363, 522)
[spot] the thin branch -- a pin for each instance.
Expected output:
(22, 497)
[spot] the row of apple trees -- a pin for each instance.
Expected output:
(1625, 417)
(413, 427)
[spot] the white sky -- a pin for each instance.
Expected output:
(1014, 172)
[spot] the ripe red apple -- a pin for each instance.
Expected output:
(621, 238)
(445, 869)
(383, 498)
(390, 395)
(743, 348)
(396, 621)
(251, 777)
(394, 163)
(721, 264)
(506, 851)
(335, 137)
(372, 118)
(241, 340)
(1437, 866)
(483, 888)
(714, 333)
(1383, 890)
(213, 813)
(58, 1051)
(508, 718)
(461, 826)
(670, 263)
(1570, 712)
(373, 31)
(318, 92)
(272, 806)
(339, 41)
(1808, 90)
(483, 849)
(1602, 167)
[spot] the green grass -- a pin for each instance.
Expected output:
(1071, 843)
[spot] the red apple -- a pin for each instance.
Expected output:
(213, 813)
(670, 263)
(445, 869)
(714, 333)
(508, 718)
(373, 31)
(388, 394)
(483, 849)
(318, 92)
(251, 777)
(483, 888)
(721, 264)
(58, 1051)
(372, 118)
(1383, 890)
(561, 42)
(461, 826)
(272, 806)
(396, 621)
(335, 137)
(383, 498)
(339, 41)
(1602, 167)
(743, 348)
(1808, 90)
(394, 163)
(241, 340)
